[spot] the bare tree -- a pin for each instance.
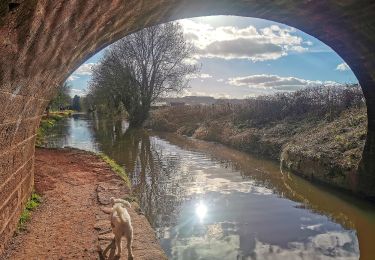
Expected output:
(142, 67)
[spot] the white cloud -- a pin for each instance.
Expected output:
(343, 67)
(199, 76)
(84, 70)
(222, 96)
(266, 81)
(242, 48)
(229, 42)
(78, 92)
(190, 61)
(205, 94)
(72, 77)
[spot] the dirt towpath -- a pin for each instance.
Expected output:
(70, 224)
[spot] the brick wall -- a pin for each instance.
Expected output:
(16, 187)
(17, 138)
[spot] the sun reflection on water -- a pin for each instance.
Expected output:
(201, 211)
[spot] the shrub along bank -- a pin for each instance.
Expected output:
(317, 132)
(47, 122)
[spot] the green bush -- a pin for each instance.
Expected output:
(33, 202)
(46, 123)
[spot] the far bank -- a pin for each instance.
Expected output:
(321, 139)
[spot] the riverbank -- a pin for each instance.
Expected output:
(70, 223)
(48, 122)
(171, 175)
(327, 149)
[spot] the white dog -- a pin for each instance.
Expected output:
(121, 225)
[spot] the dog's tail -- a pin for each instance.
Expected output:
(120, 212)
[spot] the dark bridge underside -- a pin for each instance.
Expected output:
(42, 42)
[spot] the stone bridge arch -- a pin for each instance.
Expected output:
(42, 42)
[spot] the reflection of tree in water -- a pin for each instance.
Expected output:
(153, 180)
(152, 170)
(56, 137)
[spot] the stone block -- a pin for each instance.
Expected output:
(7, 210)
(6, 166)
(10, 185)
(16, 108)
(6, 135)
(16, 161)
(7, 233)
(4, 100)
(13, 107)
(22, 153)
(14, 133)
(27, 184)
(25, 130)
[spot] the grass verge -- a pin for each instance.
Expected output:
(118, 169)
(46, 123)
(33, 202)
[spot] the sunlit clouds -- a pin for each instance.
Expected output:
(78, 92)
(276, 82)
(199, 76)
(250, 43)
(342, 67)
(84, 70)
(244, 57)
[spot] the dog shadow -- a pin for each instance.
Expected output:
(112, 250)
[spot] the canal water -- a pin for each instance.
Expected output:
(208, 201)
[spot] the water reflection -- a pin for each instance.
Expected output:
(72, 132)
(207, 201)
(201, 210)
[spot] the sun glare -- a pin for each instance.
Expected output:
(201, 210)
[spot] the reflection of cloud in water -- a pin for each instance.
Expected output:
(213, 245)
(208, 181)
(208, 174)
(312, 227)
(216, 243)
(331, 245)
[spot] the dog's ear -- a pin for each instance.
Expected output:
(112, 200)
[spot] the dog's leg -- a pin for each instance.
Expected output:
(129, 240)
(118, 245)
(103, 254)
(110, 246)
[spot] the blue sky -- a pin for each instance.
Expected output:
(244, 57)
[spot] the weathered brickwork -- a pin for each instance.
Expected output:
(42, 42)
(17, 107)
(17, 190)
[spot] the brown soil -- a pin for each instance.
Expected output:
(70, 224)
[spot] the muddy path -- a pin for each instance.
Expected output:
(70, 224)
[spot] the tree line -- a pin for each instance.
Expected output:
(63, 100)
(319, 101)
